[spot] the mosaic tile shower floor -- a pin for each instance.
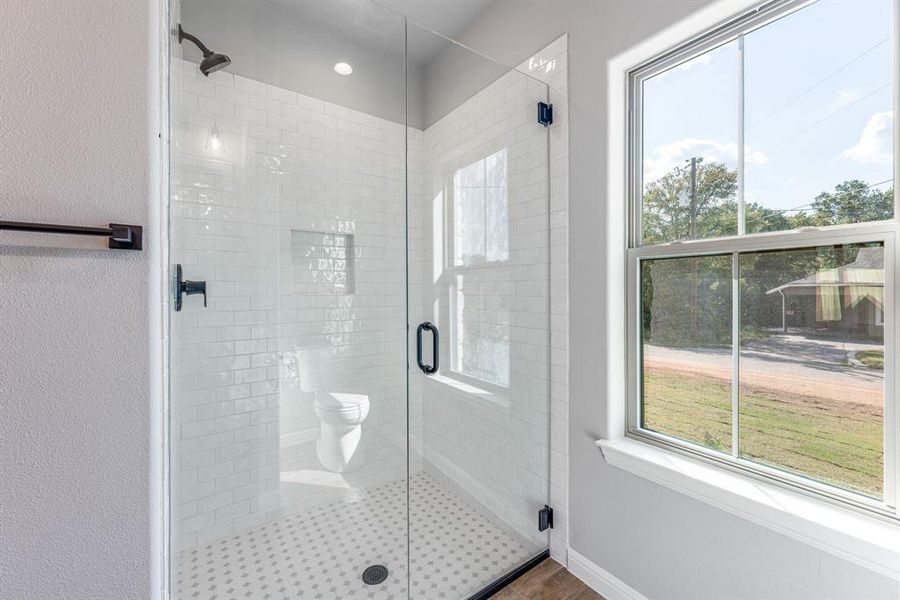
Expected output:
(322, 554)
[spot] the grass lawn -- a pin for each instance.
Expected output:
(838, 442)
(874, 359)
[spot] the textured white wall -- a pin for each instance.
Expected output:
(77, 137)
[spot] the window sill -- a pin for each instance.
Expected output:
(864, 540)
(469, 390)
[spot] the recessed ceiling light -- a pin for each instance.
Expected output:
(343, 68)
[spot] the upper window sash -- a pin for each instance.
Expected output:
(734, 29)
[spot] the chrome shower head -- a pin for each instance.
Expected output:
(212, 61)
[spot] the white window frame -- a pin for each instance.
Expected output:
(885, 232)
(455, 325)
(452, 270)
(451, 259)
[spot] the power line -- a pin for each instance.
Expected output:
(804, 207)
(827, 117)
(779, 211)
(855, 59)
(879, 183)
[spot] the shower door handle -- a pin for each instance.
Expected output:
(435, 345)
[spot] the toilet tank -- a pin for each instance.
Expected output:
(315, 365)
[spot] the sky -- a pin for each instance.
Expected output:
(818, 104)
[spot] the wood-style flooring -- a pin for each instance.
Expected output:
(547, 581)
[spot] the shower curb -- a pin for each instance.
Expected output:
(498, 584)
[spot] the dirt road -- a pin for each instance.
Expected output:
(789, 364)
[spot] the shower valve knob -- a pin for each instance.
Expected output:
(185, 287)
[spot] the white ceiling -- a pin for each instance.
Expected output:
(377, 24)
(447, 17)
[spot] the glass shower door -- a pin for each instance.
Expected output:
(288, 431)
(343, 177)
(479, 323)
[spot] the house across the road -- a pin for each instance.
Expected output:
(847, 299)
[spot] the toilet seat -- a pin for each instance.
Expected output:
(341, 408)
(341, 401)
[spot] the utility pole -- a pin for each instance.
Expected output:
(694, 160)
(695, 262)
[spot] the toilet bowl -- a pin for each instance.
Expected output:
(340, 416)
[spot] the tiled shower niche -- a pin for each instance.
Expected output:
(322, 262)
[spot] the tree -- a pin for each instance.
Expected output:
(667, 216)
(675, 291)
(666, 212)
(758, 218)
(852, 201)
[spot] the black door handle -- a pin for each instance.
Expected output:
(185, 287)
(436, 347)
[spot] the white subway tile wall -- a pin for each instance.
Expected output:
(295, 217)
(323, 260)
(486, 283)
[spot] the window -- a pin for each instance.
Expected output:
(480, 206)
(481, 326)
(762, 246)
(482, 289)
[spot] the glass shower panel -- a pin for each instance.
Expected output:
(479, 274)
(288, 431)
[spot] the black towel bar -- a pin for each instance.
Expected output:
(121, 237)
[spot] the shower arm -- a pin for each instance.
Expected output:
(183, 35)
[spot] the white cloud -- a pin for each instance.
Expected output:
(844, 98)
(874, 145)
(699, 61)
(666, 157)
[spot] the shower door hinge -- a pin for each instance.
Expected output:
(545, 518)
(545, 114)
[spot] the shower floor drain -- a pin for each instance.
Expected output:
(375, 574)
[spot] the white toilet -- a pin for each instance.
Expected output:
(340, 412)
(340, 415)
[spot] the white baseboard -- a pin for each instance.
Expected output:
(600, 580)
